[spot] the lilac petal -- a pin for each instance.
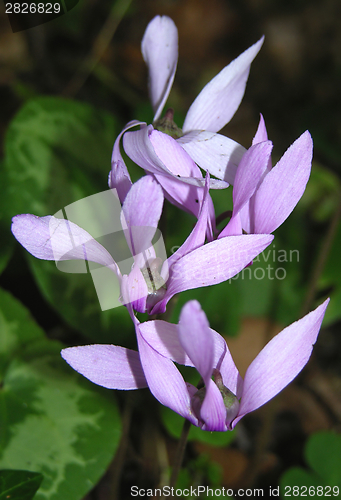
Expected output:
(247, 211)
(49, 238)
(141, 212)
(119, 177)
(229, 372)
(163, 337)
(164, 379)
(233, 227)
(197, 237)
(213, 411)
(283, 186)
(220, 98)
(196, 338)
(215, 153)
(280, 361)
(213, 263)
(139, 148)
(177, 161)
(173, 155)
(160, 51)
(249, 173)
(261, 134)
(136, 290)
(110, 366)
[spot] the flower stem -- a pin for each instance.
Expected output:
(180, 453)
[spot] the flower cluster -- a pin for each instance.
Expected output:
(263, 197)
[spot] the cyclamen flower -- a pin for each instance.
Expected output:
(150, 288)
(212, 110)
(223, 400)
(263, 197)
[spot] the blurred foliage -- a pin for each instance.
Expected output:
(52, 420)
(323, 457)
(57, 152)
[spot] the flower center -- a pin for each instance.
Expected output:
(231, 401)
(167, 125)
(156, 285)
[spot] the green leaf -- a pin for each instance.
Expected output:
(331, 278)
(58, 152)
(19, 484)
(53, 420)
(7, 240)
(323, 455)
(18, 330)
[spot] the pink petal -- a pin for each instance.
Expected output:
(283, 186)
(213, 411)
(215, 153)
(197, 236)
(196, 338)
(110, 366)
(119, 177)
(141, 212)
(280, 361)
(261, 134)
(50, 238)
(163, 337)
(139, 148)
(136, 290)
(232, 228)
(160, 51)
(249, 173)
(164, 380)
(213, 263)
(220, 99)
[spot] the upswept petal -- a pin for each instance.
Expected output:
(199, 342)
(249, 173)
(136, 290)
(163, 338)
(164, 380)
(139, 148)
(196, 338)
(119, 177)
(110, 366)
(160, 51)
(141, 212)
(280, 361)
(220, 98)
(173, 156)
(215, 153)
(213, 263)
(248, 177)
(213, 411)
(49, 238)
(233, 227)
(261, 133)
(197, 236)
(177, 161)
(247, 211)
(283, 186)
